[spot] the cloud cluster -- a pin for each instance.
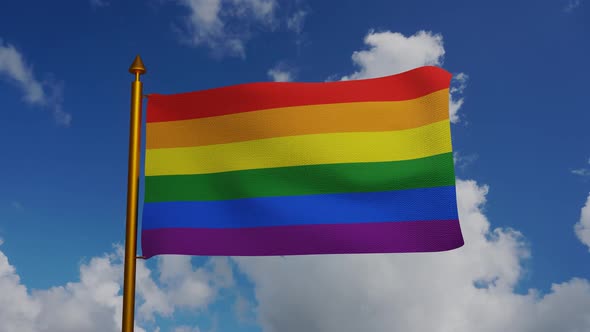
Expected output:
(582, 228)
(225, 26)
(582, 171)
(281, 73)
(458, 85)
(208, 23)
(46, 94)
(296, 21)
(392, 52)
(94, 302)
(462, 161)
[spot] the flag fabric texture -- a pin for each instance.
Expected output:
(362, 166)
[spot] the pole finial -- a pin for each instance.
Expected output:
(137, 66)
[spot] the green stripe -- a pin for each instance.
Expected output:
(427, 172)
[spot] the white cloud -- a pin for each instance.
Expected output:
(282, 72)
(93, 303)
(12, 65)
(186, 287)
(461, 80)
(155, 300)
(583, 171)
(19, 310)
(462, 160)
(468, 289)
(582, 228)
(572, 5)
(295, 22)
(244, 310)
(207, 23)
(260, 9)
(14, 68)
(279, 75)
(454, 106)
(222, 273)
(458, 85)
(392, 53)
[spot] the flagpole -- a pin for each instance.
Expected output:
(137, 68)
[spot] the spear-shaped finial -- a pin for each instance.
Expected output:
(137, 66)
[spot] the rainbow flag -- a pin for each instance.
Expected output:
(362, 166)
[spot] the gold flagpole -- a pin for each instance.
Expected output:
(137, 68)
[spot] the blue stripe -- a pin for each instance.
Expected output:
(421, 204)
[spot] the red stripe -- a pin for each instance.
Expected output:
(256, 96)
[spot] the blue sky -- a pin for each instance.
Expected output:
(520, 135)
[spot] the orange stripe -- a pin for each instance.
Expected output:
(300, 120)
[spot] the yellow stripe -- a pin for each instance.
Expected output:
(315, 149)
(300, 120)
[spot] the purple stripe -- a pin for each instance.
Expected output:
(384, 237)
